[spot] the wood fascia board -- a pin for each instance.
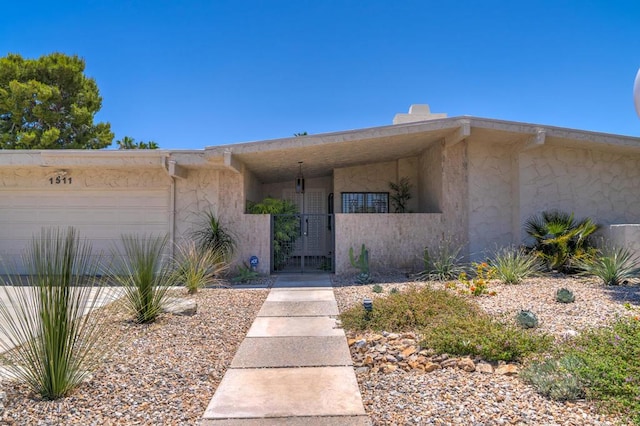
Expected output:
(460, 134)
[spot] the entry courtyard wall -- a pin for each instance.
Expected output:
(395, 241)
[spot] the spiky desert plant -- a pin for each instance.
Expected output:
(512, 265)
(441, 264)
(613, 265)
(142, 270)
(196, 268)
(51, 342)
(560, 240)
(210, 234)
(527, 319)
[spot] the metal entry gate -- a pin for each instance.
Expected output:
(302, 243)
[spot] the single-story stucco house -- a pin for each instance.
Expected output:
(474, 181)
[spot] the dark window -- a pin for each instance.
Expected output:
(365, 202)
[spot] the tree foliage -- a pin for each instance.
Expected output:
(130, 143)
(48, 103)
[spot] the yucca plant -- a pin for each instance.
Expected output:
(210, 235)
(196, 268)
(443, 263)
(613, 265)
(512, 265)
(145, 275)
(560, 240)
(51, 341)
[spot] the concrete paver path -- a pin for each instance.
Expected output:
(294, 366)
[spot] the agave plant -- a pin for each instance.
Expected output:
(613, 265)
(197, 268)
(560, 240)
(144, 274)
(51, 341)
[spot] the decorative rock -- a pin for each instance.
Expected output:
(507, 370)
(177, 306)
(389, 368)
(447, 363)
(409, 351)
(467, 365)
(431, 366)
(484, 367)
(390, 358)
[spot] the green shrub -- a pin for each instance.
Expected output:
(50, 344)
(604, 364)
(245, 274)
(144, 274)
(394, 290)
(211, 236)
(406, 311)
(483, 336)
(611, 365)
(613, 265)
(449, 323)
(198, 268)
(442, 264)
(556, 378)
(377, 288)
(560, 240)
(512, 265)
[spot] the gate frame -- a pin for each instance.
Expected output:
(330, 231)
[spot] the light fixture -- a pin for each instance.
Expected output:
(367, 304)
(300, 180)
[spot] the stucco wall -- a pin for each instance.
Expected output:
(83, 178)
(455, 196)
(195, 196)
(275, 190)
(252, 187)
(597, 184)
(253, 233)
(365, 178)
(623, 235)
(490, 197)
(408, 167)
(394, 240)
(429, 187)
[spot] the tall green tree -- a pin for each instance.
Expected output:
(48, 103)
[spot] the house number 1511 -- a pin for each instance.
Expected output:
(60, 180)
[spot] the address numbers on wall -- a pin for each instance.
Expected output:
(60, 180)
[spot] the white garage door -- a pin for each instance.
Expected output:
(100, 216)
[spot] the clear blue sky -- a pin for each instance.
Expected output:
(189, 74)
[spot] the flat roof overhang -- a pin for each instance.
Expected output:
(277, 160)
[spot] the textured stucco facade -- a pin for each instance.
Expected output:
(394, 241)
(475, 183)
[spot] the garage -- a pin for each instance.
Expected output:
(100, 215)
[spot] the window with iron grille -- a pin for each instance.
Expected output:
(365, 202)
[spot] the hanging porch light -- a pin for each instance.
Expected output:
(300, 180)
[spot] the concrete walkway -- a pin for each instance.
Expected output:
(294, 366)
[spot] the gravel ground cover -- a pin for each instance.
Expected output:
(451, 396)
(161, 374)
